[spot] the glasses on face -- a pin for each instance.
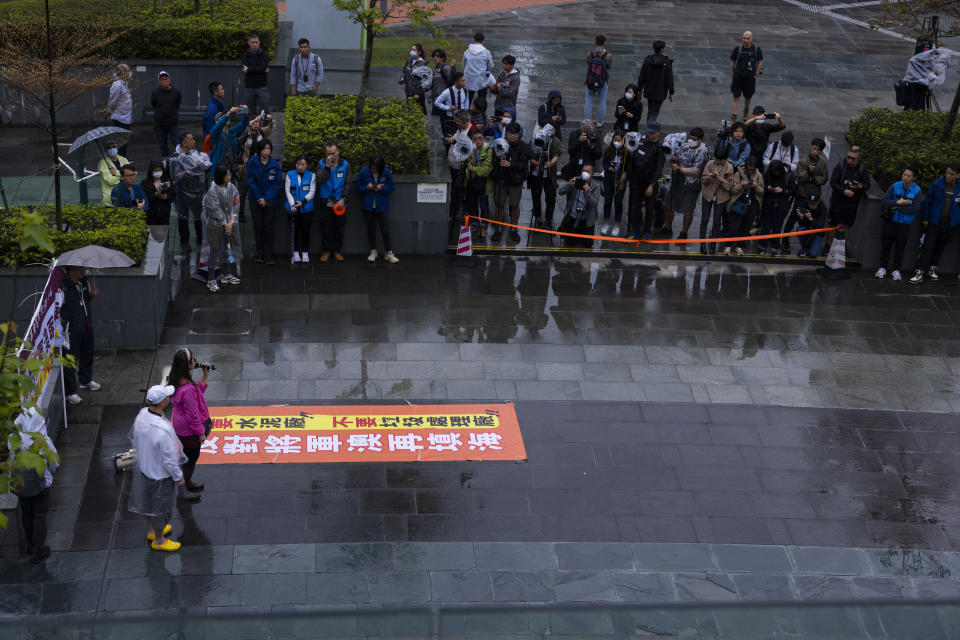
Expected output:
(851, 158)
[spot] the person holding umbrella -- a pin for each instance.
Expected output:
(110, 168)
(76, 316)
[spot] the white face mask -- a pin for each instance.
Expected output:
(617, 144)
(158, 174)
(585, 176)
(628, 95)
(413, 53)
(692, 144)
(507, 121)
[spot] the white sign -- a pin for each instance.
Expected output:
(827, 147)
(435, 192)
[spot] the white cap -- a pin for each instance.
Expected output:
(158, 392)
(162, 73)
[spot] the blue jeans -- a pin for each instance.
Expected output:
(171, 132)
(588, 102)
(811, 244)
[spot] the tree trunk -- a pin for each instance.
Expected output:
(951, 116)
(365, 76)
(52, 111)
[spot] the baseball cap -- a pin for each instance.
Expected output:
(814, 197)
(653, 126)
(158, 392)
(758, 109)
(162, 73)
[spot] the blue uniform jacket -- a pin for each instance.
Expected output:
(299, 188)
(381, 197)
(333, 186)
(124, 198)
(217, 143)
(933, 203)
(210, 115)
(904, 214)
(265, 180)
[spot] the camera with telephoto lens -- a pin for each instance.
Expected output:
(206, 366)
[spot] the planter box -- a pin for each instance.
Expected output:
(128, 313)
(415, 227)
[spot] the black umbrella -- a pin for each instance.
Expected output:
(88, 148)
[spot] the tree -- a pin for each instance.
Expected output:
(51, 65)
(924, 19)
(18, 375)
(369, 15)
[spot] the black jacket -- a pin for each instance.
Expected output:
(635, 108)
(646, 165)
(159, 211)
(516, 173)
(758, 135)
(546, 111)
(588, 151)
(656, 77)
(73, 318)
(166, 106)
(256, 64)
(843, 174)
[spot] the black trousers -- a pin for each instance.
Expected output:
(377, 220)
(642, 209)
(893, 236)
(546, 186)
(263, 223)
(332, 226)
(188, 467)
(185, 207)
(653, 109)
(33, 516)
(81, 348)
(718, 209)
(300, 224)
(935, 241)
(739, 226)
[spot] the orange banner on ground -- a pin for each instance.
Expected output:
(363, 433)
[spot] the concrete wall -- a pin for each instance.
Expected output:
(129, 312)
(415, 227)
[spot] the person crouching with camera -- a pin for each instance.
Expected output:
(191, 418)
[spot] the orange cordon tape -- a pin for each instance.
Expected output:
(467, 219)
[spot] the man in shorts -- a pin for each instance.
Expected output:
(849, 183)
(510, 172)
(746, 65)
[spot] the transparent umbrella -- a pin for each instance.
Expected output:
(95, 257)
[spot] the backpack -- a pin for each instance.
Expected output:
(597, 69)
(32, 482)
(793, 152)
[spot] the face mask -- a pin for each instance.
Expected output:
(585, 176)
(112, 153)
(158, 174)
(507, 121)
(413, 53)
(617, 144)
(628, 96)
(691, 144)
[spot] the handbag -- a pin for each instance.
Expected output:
(739, 207)
(208, 423)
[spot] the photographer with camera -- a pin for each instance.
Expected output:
(545, 156)
(809, 213)
(510, 172)
(160, 192)
(646, 167)
(759, 127)
(746, 198)
(128, 194)
(190, 416)
(580, 215)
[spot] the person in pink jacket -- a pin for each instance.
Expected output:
(189, 415)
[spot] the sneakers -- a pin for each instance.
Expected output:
(304, 257)
(515, 236)
(896, 275)
(168, 545)
(933, 273)
(167, 529)
(338, 256)
(726, 251)
(373, 256)
(917, 277)
(647, 236)
(74, 399)
(616, 231)
(880, 274)
(604, 229)
(92, 385)
(294, 257)
(230, 279)
(324, 256)
(497, 236)
(392, 259)
(739, 251)
(213, 286)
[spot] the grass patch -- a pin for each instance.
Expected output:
(394, 51)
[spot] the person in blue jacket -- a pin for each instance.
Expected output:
(333, 173)
(900, 204)
(499, 129)
(941, 215)
(215, 107)
(375, 184)
(299, 188)
(128, 194)
(222, 145)
(552, 112)
(264, 181)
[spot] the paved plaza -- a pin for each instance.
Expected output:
(696, 432)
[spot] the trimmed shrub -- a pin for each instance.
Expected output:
(891, 140)
(171, 31)
(393, 128)
(121, 229)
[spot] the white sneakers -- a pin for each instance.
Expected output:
(93, 385)
(880, 274)
(616, 230)
(392, 259)
(917, 277)
(74, 399)
(934, 275)
(213, 286)
(231, 279)
(304, 257)
(896, 275)
(373, 256)
(726, 251)
(604, 229)
(294, 257)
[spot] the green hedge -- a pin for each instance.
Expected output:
(391, 127)
(121, 229)
(891, 140)
(170, 31)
